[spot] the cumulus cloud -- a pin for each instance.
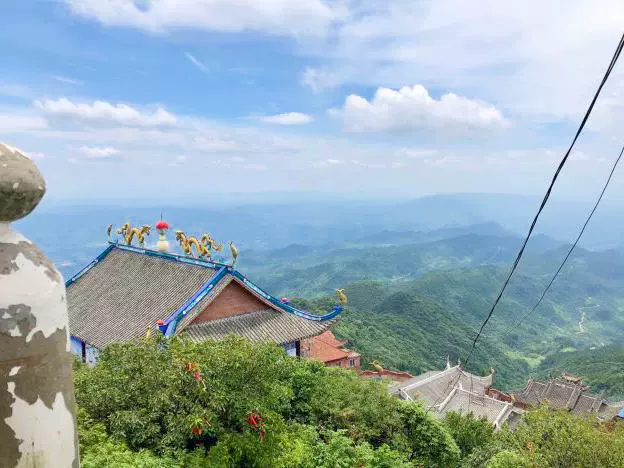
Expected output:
(501, 51)
(281, 17)
(289, 118)
(196, 62)
(105, 112)
(96, 152)
(413, 109)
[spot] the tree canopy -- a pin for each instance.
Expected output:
(235, 403)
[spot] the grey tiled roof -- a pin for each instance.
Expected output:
(123, 294)
(482, 406)
(561, 394)
(455, 390)
(433, 385)
(264, 325)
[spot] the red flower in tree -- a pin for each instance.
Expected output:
(255, 424)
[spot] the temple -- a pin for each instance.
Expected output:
(454, 389)
(127, 292)
(565, 392)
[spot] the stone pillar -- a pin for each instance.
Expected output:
(37, 408)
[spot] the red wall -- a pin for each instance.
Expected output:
(233, 300)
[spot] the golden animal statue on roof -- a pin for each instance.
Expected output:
(234, 251)
(129, 233)
(192, 247)
(377, 366)
(210, 244)
(342, 296)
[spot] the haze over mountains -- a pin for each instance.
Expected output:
(421, 274)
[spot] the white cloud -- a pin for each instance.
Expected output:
(413, 109)
(105, 112)
(318, 79)
(64, 79)
(95, 152)
(289, 118)
(196, 62)
(275, 17)
(538, 58)
(10, 122)
(334, 161)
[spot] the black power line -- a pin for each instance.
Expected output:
(616, 56)
(578, 238)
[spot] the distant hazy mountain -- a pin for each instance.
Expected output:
(73, 234)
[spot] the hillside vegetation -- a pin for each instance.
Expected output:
(158, 403)
(428, 300)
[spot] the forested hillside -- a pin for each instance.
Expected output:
(418, 289)
(429, 299)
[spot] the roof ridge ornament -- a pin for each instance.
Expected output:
(342, 296)
(234, 251)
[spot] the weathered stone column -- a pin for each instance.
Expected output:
(37, 408)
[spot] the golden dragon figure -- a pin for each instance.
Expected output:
(210, 243)
(123, 230)
(129, 233)
(188, 244)
(184, 244)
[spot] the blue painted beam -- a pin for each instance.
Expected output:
(287, 307)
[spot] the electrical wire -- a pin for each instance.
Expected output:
(576, 241)
(614, 59)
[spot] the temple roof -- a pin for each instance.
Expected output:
(327, 348)
(455, 390)
(263, 325)
(564, 393)
(126, 289)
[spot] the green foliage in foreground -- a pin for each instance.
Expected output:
(550, 438)
(180, 404)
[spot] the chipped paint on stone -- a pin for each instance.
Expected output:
(37, 408)
(44, 296)
(43, 431)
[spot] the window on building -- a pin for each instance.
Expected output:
(351, 362)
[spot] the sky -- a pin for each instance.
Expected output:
(180, 100)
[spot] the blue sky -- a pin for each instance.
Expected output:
(181, 98)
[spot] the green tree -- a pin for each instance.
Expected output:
(468, 432)
(235, 403)
(549, 438)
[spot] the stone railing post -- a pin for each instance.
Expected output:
(37, 407)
